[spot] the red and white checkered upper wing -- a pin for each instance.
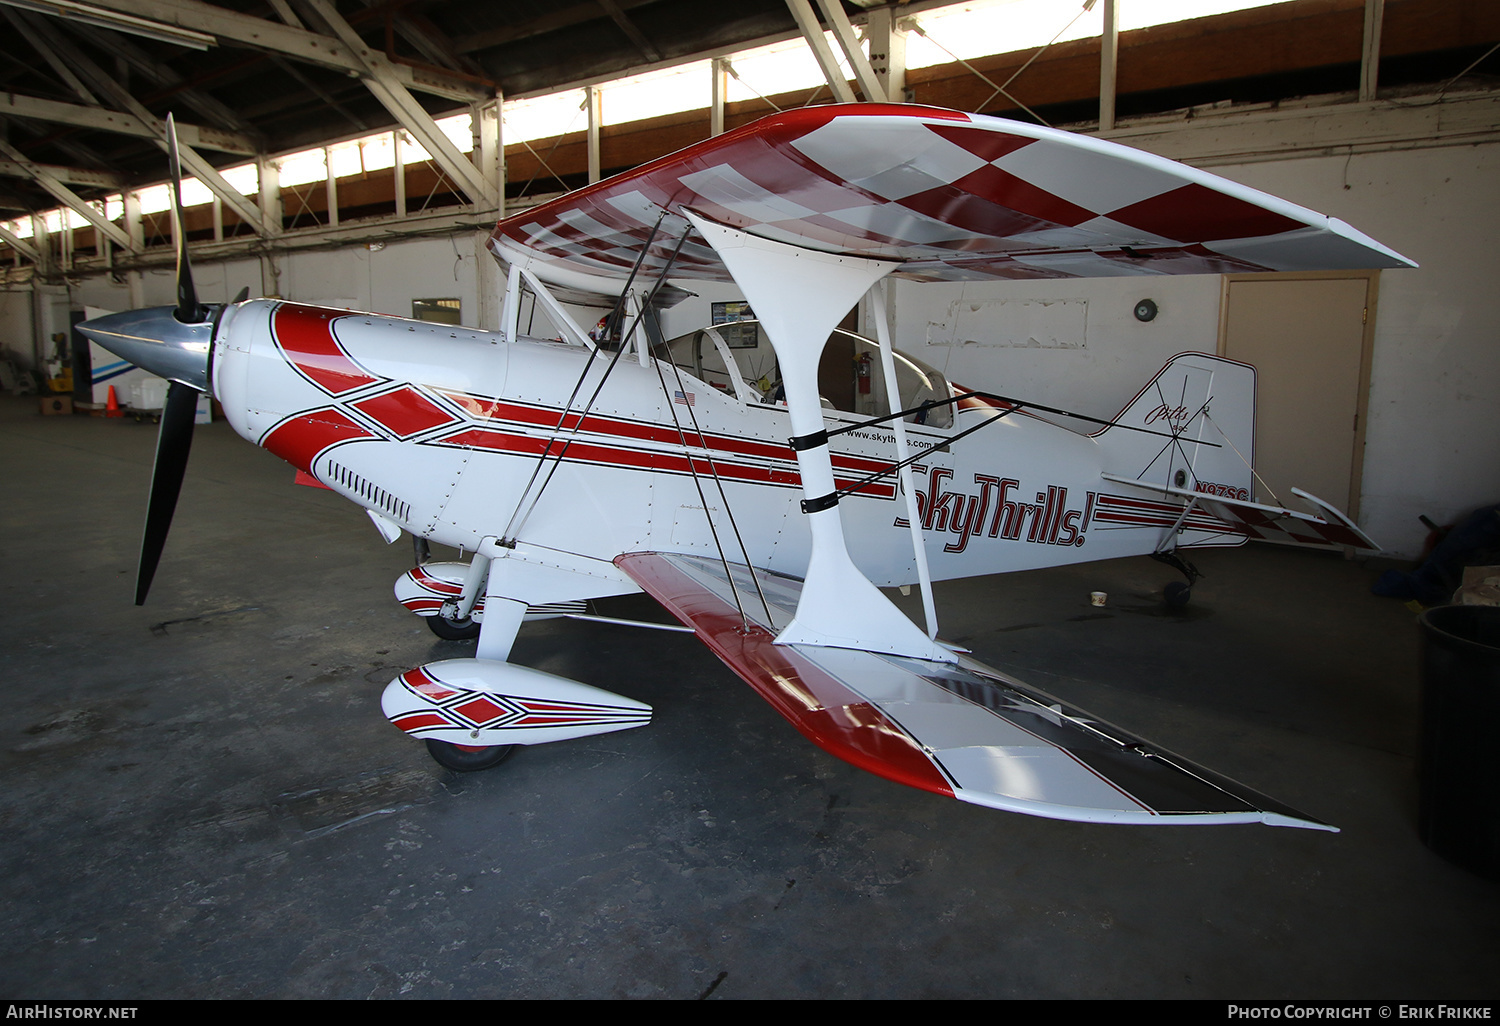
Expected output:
(952, 196)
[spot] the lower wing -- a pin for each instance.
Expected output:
(962, 730)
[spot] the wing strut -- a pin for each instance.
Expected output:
(799, 295)
(903, 453)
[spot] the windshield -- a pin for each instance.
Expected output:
(737, 359)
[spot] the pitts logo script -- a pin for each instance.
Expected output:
(1175, 416)
(996, 513)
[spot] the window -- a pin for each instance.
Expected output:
(705, 356)
(439, 311)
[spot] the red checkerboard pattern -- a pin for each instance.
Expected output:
(950, 196)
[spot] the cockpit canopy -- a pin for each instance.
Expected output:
(737, 359)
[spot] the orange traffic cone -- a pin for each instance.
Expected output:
(112, 404)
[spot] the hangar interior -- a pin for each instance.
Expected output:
(205, 800)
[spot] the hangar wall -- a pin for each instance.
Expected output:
(383, 280)
(1433, 435)
(16, 343)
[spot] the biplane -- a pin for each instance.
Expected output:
(759, 497)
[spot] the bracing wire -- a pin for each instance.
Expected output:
(1177, 433)
(513, 528)
(519, 519)
(724, 498)
(1254, 473)
(1016, 406)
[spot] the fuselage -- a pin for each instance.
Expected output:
(458, 435)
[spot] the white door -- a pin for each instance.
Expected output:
(1307, 339)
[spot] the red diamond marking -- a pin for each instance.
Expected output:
(405, 411)
(481, 710)
(1194, 213)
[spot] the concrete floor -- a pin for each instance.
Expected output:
(202, 799)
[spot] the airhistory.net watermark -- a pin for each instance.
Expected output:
(36, 1010)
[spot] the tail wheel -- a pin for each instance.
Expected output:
(1176, 594)
(467, 758)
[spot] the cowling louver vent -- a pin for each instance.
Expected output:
(373, 495)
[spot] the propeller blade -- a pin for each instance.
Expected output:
(189, 310)
(241, 296)
(173, 444)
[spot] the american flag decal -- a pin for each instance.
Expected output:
(682, 398)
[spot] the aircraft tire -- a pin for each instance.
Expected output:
(1176, 594)
(452, 630)
(463, 759)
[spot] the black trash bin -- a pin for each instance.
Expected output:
(1459, 815)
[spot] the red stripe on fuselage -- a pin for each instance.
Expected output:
(405, 411)
(299, 439)
(495, 440)
(631, 430)
(590, 452)
(305, 334)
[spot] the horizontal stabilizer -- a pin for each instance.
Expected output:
(1276, 523)
(963, 730)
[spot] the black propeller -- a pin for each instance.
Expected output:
(173, 443)
(189, 310)
(175, 439)
(173, 342)
(176, 343)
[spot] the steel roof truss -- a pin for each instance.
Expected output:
(812, 32)
(20, 245)
(103, 119)
(197, 165)
(405, 109)
(24, 23)
(291, 41)
(843, 31)
(70, 199)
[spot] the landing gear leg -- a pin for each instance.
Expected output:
(453, 622)
(451, 628)
(1177, 594)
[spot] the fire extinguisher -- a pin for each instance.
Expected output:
(862, 373)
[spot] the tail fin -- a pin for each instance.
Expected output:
(1191, 428)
